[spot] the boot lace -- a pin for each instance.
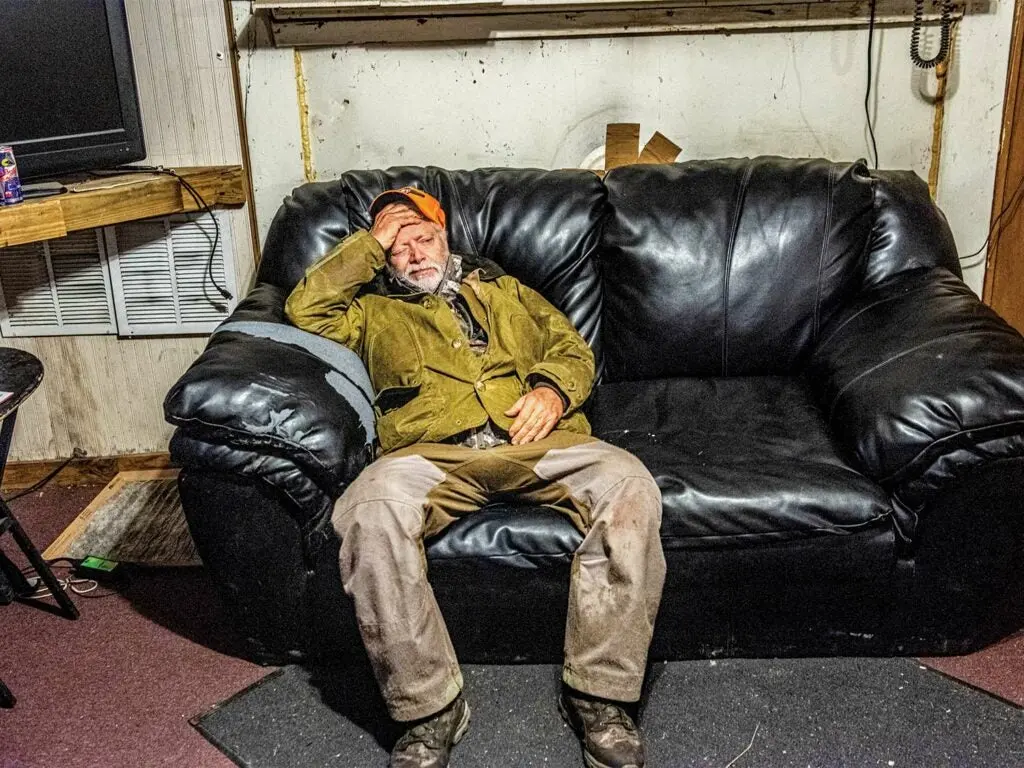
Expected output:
(602, 716)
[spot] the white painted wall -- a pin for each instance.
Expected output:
(546, 103)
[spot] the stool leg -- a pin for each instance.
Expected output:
(36, 560)
(38, 563)
(6, 697)
(10, 573)
(6, 435)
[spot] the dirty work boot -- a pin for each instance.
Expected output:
(609, 737)
(428, 743)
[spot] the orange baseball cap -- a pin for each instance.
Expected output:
(424, 203)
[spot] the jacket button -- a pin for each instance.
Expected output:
(456, 343)
(479, 385)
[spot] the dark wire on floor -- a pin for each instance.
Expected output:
(75, 454)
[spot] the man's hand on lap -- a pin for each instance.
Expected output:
(536, 414)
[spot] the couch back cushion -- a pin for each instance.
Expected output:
(910, 232)
(728, 267)
(540, 226)
(711, 267)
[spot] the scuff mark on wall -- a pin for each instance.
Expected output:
(300, 91)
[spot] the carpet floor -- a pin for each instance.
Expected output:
(998, 669)
(792, 713)
(116, 687)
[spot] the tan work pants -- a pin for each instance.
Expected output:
(408, 495)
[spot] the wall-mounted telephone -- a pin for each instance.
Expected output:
(945, 24)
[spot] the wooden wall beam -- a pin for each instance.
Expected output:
(1004, 270)
(446, 24)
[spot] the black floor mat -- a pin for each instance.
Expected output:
(806, 712)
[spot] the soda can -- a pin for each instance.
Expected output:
(10, 181)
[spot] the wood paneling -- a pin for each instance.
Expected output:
(102, 394)
(327, 9)
(185, 85)
(1004, 273)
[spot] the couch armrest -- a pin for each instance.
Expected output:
(262, 385)
(920, 381)
(306, 502)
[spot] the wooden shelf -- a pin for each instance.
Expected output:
(302, 23)
(100, 202)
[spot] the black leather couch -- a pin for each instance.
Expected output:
(835, 420)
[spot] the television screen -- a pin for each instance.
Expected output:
(69, 100)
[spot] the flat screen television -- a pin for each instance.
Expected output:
(67, 86)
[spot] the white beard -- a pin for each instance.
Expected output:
(427, 280)
(441, 280)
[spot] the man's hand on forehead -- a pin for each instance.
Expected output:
(390, 220)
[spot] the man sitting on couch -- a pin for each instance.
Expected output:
(479, 383)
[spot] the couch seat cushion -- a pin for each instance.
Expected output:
(508, 536)
(739, 460)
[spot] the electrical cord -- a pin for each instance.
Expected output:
(945, 27)
(945, 37)
(224, 292)
(77, 453)
(67, 583)
(867, 91)
(943, 52)
(204, 207)
(1015, 199)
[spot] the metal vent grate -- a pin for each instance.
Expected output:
(158, 270)
(56, 287)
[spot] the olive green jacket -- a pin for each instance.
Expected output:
(430, 386)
